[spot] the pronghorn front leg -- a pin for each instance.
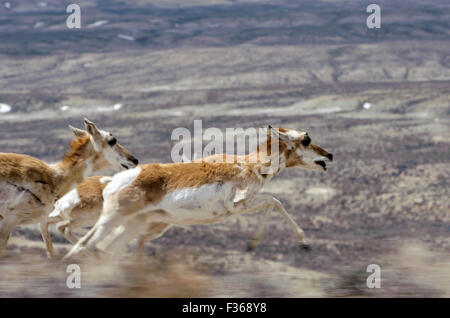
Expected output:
(297, 230)
(65, 229)
(268, 202)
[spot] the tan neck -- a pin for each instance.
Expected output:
(72, 169)
(264, 157)
(68, 176)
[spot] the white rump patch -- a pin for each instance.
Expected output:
(121, 180)
(64, 205)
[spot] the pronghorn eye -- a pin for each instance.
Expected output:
(112, 141)
(306, 141)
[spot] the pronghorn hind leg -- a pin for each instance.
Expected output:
(46, 237)
(297, 230)
(127, 231)
(131, 228)
(154, 231)
(259, 233)
(7, 224)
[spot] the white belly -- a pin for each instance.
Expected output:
(206, 204)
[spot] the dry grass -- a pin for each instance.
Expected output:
(32, 275)
(411, 270)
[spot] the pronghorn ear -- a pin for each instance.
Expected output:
(276, 133)
(77, 132)
(91, 128)
(284, 136)
(272, 132)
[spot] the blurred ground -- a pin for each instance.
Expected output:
(379, 100)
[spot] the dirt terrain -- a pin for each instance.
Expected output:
(378, 99)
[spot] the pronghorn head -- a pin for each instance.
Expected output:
(108, 152)
(299, 151)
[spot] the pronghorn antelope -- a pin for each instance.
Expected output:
(152, 197)
(81, 207)
(29, 186)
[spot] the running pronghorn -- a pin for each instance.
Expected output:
(152, 197)
(81, 207)
(29, 186)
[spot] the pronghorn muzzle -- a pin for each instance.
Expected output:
(323, 156)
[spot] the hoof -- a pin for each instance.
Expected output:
(305, 247)
(51, 256)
